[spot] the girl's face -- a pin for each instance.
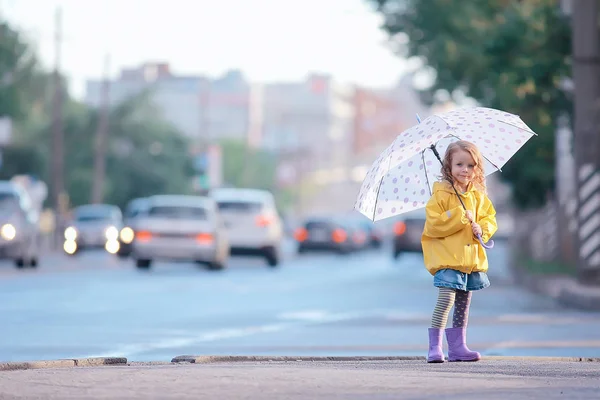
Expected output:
(463, 167)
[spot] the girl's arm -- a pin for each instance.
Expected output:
(440, 222)
(486, 218)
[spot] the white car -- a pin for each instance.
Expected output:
(19, 231)
(253, 224)
(94, 226)
(180, 228)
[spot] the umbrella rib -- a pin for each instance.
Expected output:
(518, 127)
(379, 187)
(425, 169)
(488, 160)
(377, 198)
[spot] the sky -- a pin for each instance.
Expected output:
(269, 40)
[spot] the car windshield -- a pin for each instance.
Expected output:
(8, 201)
(134, 210)
(94, 214)
(177, 212)
(239, 206)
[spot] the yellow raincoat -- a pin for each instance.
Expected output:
(448, 240)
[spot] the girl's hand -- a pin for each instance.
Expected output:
(469, 216)
(476, 229)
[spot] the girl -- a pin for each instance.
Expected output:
(451, 250)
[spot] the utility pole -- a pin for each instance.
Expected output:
(101, 139)
(57, 158)
(586, 74)
(203, 141)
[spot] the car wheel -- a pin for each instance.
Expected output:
(344, 250)
(215, 266)
(271, 257)
(143, 264)
(33, 263)
(122, 255)
(20, 263)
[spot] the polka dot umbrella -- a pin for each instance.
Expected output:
(402, 177)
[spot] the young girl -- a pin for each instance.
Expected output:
(451, 250)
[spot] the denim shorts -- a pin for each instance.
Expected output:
(451, 278)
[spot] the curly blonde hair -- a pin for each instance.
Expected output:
(479, 173)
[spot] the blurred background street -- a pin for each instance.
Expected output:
(367, 304)
(180, 178)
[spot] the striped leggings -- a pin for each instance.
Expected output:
(447, 298)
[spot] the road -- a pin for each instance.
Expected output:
(494, 379)
(318, 304)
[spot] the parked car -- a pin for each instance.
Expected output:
(93, 226)
(408, 229)
(328, 234)
(19, 231)
(253, 224)
(375, 235)
(180, 228)
(133, 211)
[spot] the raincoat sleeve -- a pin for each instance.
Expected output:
(486, 218)
(440, 222)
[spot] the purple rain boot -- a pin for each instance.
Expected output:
(435, 355)
(457, 346)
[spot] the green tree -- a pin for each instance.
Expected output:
(245, 167)
(18, 70)
(507, 55)
(145, 155)
(256, 168)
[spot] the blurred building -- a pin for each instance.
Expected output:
(378, 116)
(381, 115)
(311, 117)
(200, 107)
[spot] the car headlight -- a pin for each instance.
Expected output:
(8, 232)
(70, 234)
(111, 233)
(127, 235)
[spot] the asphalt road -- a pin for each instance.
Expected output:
(316, 304)
(369, 380)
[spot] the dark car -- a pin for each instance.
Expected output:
(408, 229)
(375, 234)
(329, 234)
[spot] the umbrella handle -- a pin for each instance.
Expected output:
(489, 245)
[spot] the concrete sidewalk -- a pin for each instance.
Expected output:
(300, 378)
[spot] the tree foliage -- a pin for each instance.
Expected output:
(145, 154)
(247, 167)
(507, 55)
(19, 72)
(256, 168)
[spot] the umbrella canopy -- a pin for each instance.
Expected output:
(402, 177)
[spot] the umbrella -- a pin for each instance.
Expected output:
(401, 178)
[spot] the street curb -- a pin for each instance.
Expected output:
(218, 359)
(231, 359)
(122, 361)
(542, 358)
(584, 298)
(563, 289)
(67, 363)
